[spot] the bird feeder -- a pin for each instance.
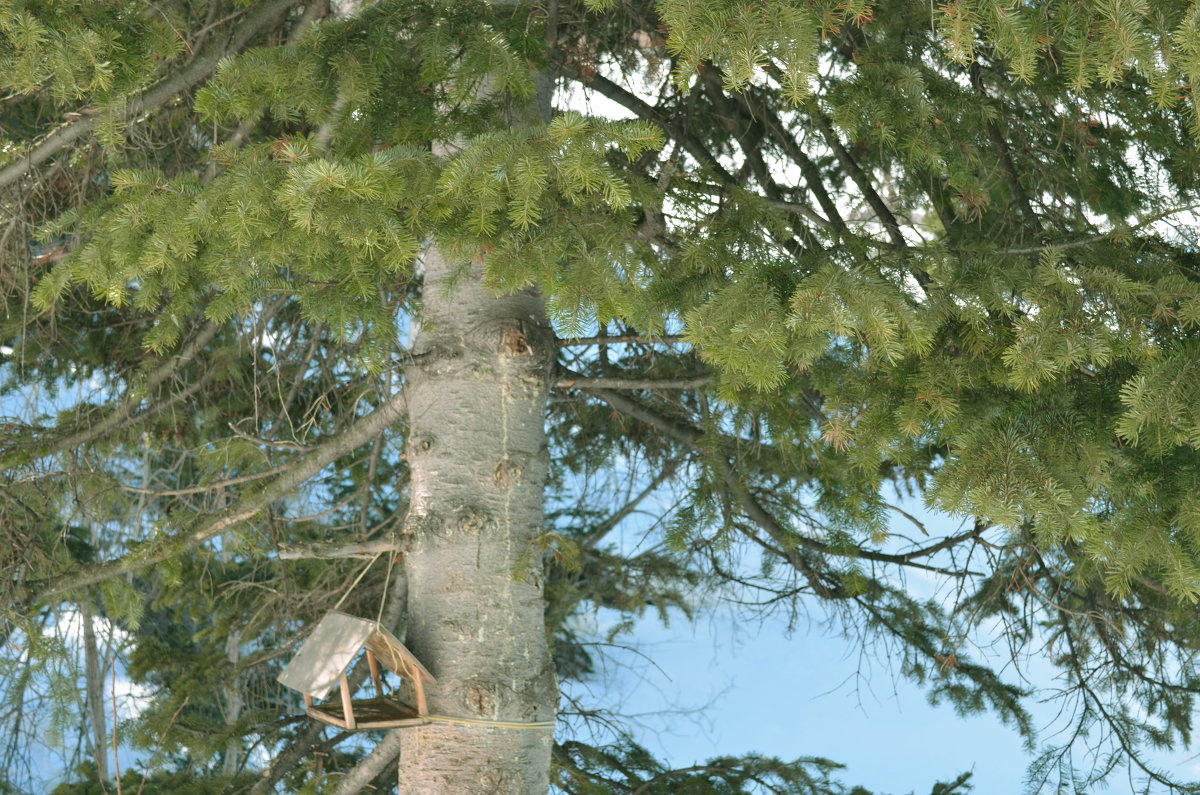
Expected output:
(324, 658)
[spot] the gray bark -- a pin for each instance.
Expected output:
(94, 679)
(365, 771)
(478, 457)
(233, 703)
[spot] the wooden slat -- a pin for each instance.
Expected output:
(396, 656)
(419, 686)
(325, 717)
(374, 673)
(372, 713)
(347, 704)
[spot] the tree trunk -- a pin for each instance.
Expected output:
(233, 703)
(478, 455)
(363, 773)
(94, 678)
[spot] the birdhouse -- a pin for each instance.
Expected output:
(324, 658)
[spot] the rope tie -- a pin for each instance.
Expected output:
(497, 724)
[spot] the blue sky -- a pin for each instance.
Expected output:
(725, 685)
(798, 694)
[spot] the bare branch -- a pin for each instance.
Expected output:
(762, 517)
(220, 484)
(597, 533)
(124, 411)
(665, 339)
(633, 383)
(360, 549)
(361, 774)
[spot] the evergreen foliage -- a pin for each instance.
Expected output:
(840, 250)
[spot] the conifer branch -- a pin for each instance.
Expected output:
(802, 210)
(750, 138)
(631, 408)
(314, 11)
(118, 418)
(294, 752)
(199, 69)
(1115, 724)
(876, 202)
(789, 551)
(598, 532)
(205, 528)
(859, 177)
(808, 169)
(755, 510)
(358, 777)
(122, 416)
(654, 781)
(1004, 154)
(206, 487)
(647, 112)
(1140, 224)
(796, 208)
(789, 539)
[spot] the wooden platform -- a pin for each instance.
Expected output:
(371, 713)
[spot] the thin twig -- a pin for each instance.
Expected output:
(116, 755)
(220, 484)
(162, 737)
(204, 528)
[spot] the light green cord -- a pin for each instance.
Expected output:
(545, 724)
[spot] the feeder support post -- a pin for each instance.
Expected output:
(375, 673)
(347, 707)
(419, 686)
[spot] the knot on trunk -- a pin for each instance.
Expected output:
(513, 341)
(418, 443)
(480, 700)
(471, 520)
(507, 472)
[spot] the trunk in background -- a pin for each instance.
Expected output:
(94, 678)
(233, 703)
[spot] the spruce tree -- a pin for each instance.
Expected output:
(312, 306)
